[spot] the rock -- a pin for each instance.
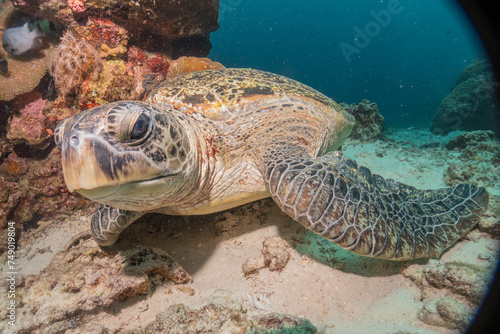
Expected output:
(463, 284)
(275, 256)
(222, 313)
(471, 105)
(479, 159)
(471, 139)
(446, 312)
(490, 223)
(82, 277)
(458, 278)
(276, 253)
(252, 266)
(369, 122)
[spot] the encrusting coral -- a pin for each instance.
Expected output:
(27, 125)
(106, 51)
(73, 60)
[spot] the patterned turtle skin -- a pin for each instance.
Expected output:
(207, 141)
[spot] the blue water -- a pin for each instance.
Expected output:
(407, 64)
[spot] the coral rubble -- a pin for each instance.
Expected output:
(472, 104)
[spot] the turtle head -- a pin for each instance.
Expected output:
(129, 155)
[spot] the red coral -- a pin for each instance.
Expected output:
(136, 56)
(104, 31)
(157, 64)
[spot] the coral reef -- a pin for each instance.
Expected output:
(479, 159)
(121, 79)
(191, 64)
(158, 21)
(107, 52)
(369, 122)
(471, 105)
(110, 37)
(93, 64)
(73, 60)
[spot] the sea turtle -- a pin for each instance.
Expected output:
(207, 141)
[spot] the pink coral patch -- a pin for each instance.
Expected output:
(28, 124)
(76, 6)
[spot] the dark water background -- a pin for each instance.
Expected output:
(408, 63)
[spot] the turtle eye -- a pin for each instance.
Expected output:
(140, 127)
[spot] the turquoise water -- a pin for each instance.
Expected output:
(407, 62)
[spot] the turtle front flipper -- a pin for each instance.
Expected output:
(367, 214)
(107, 223)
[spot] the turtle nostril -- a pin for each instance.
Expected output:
(64, 144)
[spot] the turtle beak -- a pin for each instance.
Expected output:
(81, 166)
(89, 162)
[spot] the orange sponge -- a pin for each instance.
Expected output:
(191, 64)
